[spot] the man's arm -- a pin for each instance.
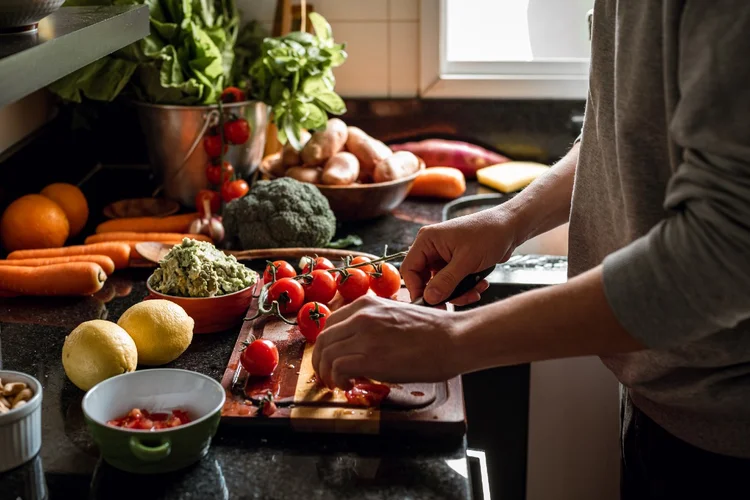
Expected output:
(568, 320)
(545, 203)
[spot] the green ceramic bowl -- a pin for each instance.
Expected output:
(160, 390)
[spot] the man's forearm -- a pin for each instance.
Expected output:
(545, 204)
(568, 320)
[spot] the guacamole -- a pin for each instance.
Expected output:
(198, 269)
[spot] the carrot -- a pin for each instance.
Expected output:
(74, 278)
(131, 236)
(169, 224)
(106, 262)
(118, 252)
(439, 182)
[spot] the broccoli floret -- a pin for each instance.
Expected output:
(282, 213)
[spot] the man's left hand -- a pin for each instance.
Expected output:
(388, 341)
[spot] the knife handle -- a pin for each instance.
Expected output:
(464, 286)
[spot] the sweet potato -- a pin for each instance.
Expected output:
(169, 224)
(304, 174)
(290, 156)
(399, 165)
(468, 158)
(324, 143)
(439, 182)
(368, 150)
(117, 251)
(341, 169)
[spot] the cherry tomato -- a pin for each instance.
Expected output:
(288, 293)
(237, 131)
(320, 287)
(312, 319)
(367, 393)
(212, 144)
(361, 260)
(217, 175)
(320, 263)
(234, 189)
(214, 201)
(232, 94)
(353, 284)
(260, 357)
(283, 270)
(385, 281)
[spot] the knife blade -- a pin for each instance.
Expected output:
(465, 285)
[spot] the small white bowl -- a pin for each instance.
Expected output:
(21, 429)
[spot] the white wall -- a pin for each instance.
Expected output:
(382, 39)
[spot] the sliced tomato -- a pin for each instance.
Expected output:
(367, 393)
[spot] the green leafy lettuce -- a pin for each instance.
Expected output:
(294, 77)
(187, 58)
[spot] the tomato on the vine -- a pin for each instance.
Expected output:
(260, 358)
(311, 319)
(218, 175)
(214, 201)
(283, 270)
(385, 281)
(234, 189)
(237, 131)
(319, 287)
(352, 284)
(212, 144)
(318, 263)
(288, 293)
(232, 94)
(361, 260)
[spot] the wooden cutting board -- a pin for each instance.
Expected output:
(304, 405)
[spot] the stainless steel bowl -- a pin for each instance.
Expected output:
(174, 139)
(18, 14)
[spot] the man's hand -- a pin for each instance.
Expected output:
(454, 249)
(388, 341)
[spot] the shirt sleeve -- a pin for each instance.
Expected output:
(689, 277)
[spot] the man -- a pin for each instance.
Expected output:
(658, 197)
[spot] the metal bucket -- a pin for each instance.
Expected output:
(174, 138)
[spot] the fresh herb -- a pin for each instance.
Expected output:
(295, 78)
(350, 241)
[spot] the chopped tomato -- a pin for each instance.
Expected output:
(143, 420)
(367, 393)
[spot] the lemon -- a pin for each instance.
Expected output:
(161, 329)
(97, 350)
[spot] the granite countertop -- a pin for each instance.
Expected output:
(240, 464)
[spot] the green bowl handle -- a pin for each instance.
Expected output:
(150, 453)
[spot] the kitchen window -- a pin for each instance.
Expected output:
(515, 49)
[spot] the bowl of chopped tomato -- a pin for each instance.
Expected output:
(154, 421)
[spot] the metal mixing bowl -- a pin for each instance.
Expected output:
(18, 14)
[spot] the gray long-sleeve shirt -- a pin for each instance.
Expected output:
(662, 198)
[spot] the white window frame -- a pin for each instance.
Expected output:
(538, 79)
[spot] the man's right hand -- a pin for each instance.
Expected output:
(454, 249)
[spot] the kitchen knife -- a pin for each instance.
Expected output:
(464, 286)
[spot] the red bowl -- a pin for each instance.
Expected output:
(211, 314)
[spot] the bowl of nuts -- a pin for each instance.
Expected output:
(20, 418)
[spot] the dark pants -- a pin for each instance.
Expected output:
(656, 466)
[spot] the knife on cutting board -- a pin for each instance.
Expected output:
(465, 285)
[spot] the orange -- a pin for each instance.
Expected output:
(73, 203)
(33, 221)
